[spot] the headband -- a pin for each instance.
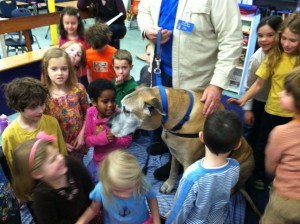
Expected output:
(40, 136)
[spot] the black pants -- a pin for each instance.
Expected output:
(119, 31)
(258, 109)
(268, 122)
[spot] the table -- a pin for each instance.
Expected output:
(2, 40)
(67, 4)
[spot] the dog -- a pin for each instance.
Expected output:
(148, 108)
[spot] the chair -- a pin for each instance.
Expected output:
(134, 12)
(16, 41)
(7, 7)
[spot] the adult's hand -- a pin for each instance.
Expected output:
(211, 99)
(151, 34)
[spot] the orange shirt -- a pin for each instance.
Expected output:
(100, 63)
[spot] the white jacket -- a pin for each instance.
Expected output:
(209, 54)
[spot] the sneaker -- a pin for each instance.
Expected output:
(258, 184)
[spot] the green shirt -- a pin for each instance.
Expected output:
(124, 89)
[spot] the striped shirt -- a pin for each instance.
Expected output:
(204, 194)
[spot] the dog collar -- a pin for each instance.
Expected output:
(187, 114)
(164, 100)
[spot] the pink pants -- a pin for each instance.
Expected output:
(149, 220)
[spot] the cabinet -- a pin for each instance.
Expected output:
(277, 4)
(239, 75)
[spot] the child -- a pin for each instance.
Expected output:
(124, 82)
(97, 134)
(121, 192)
(281, 59)
(145, 73)
(253, 110)
(60, 185)
(71, 27)
(105, 11)
(67, 99)
(9, 205)
(99, 56)
(77, 54)
(283, 159)
(27, 96)
(205, 187)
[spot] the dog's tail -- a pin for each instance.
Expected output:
(249, 200)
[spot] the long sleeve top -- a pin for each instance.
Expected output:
(64, 205)
(256, 59)
(204, 193)
(99, 141)
(14, 135)
(207, 55)
(283, 159)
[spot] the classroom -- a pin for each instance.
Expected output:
(41, 32)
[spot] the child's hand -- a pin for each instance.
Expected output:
(110, 136)
(98, 129)
(249, 117)
(70, 148)
(79, 142)
(119, 79)
(239, 102)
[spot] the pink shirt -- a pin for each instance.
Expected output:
(99, 141)
(283, 159)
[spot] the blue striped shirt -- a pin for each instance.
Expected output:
(204, 194)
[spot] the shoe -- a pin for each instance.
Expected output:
(158, 148)
(258, 184)
(162, 173)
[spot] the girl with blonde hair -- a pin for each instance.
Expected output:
(282, 58)
(77, 54)
(67, 99)
(60, 185)
(121, 192)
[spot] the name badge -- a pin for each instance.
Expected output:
(185, 26)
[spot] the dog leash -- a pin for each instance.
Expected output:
(157, 70)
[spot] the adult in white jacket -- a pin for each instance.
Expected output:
(204, 39)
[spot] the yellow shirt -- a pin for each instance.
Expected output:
(285, 66)
(14, 135)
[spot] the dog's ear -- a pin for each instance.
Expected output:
(153, 104)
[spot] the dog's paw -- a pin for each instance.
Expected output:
(167, 187)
